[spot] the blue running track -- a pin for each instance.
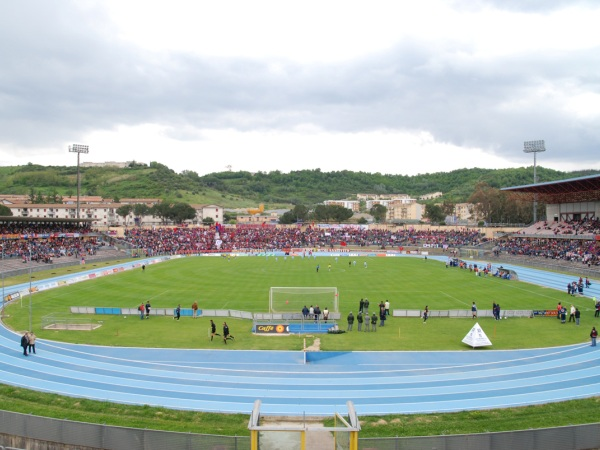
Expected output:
(377, 382)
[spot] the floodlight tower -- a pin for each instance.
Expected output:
(79, 149)
(534, 147)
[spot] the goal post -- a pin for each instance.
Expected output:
(293, 299)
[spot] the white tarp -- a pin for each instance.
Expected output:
(476, 337)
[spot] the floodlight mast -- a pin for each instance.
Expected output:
(79, 149)
(534, 147)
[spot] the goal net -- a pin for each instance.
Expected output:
(293, 299)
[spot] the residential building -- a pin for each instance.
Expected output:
(404, 210)
(104, 214)
(353, 205)
(431, 196)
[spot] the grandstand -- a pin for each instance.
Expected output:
(33, 244)
(571, 230)
(572, 201)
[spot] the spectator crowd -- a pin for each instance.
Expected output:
(268, 238)
(574, 250)
(44, 242)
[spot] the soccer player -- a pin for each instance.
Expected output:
(226, 334)
(213, 330)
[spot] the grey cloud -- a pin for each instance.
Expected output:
(61, 78)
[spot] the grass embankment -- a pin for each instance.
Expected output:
(549, 415)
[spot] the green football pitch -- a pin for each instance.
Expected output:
(243, 284)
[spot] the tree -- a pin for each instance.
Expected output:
(287, 218)
(321, 213)
(140, 210)
(300, 212)
(326, 213)
(379, 212)
(434, 213)
(490, 203)
(448, 208)
(124, 211)
(5, 211)
(339, 213)
(180, 212)
(208, 221)
(39, 198)
(161, 210)
(519, 210)
(54, 197)
(228, 217)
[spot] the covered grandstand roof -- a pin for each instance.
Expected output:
(564, 191)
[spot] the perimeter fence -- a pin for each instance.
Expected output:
(24, 431)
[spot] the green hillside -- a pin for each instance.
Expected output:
(241, 189)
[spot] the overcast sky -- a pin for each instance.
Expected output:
(397, 87)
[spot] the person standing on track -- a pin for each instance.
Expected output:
(25, 343)
(31, 345)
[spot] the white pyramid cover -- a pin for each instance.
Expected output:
(476, 337)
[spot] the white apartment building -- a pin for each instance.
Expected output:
(381, 196)
(431, 196)
(353, 205)
(104, 214)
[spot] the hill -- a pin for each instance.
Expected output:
(242, 189)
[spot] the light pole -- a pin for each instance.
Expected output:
(30, 289)
(534, 147)
(79, 149)
(2, 312)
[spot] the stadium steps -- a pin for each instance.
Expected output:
(377, 382)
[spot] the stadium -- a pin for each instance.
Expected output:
(413, 370)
